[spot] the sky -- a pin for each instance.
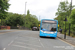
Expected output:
(43, 9)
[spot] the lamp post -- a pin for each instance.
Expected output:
(25, 7)
(25, 12)
(70, 17)
(65, 28)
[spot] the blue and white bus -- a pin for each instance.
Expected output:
(48, 28)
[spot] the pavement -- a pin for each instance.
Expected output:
(68, 39)
(30, 40)
(8, 30)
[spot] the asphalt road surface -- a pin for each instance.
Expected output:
(30, 40)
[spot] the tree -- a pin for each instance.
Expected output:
(4, 5)
(62, 11)
(14, 19)
(73, 16)
(30, 20)
(73, 19)
(63, 8)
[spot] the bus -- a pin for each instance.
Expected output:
(48, 28)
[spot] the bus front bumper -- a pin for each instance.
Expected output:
(48, 35)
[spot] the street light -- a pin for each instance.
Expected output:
(70, 17)
(25, 11)
(65, 28)
(25, 7)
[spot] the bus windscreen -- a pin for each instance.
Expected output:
(48, 25)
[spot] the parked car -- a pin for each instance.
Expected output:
(35, 28)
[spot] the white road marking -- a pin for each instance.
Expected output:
(24, 47)
(10, 43)
(41, 43)
(4, 48)
(28, 44)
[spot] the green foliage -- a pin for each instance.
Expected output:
(4, 5)
(14, 19)
(30, 20)
(73, 19)
(62, 11)
(73, 16)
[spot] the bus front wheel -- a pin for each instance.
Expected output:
(54, 37)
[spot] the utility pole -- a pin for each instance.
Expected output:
(70, 17)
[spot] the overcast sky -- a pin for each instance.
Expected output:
(43, 9)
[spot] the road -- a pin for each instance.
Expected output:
(30, 40)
